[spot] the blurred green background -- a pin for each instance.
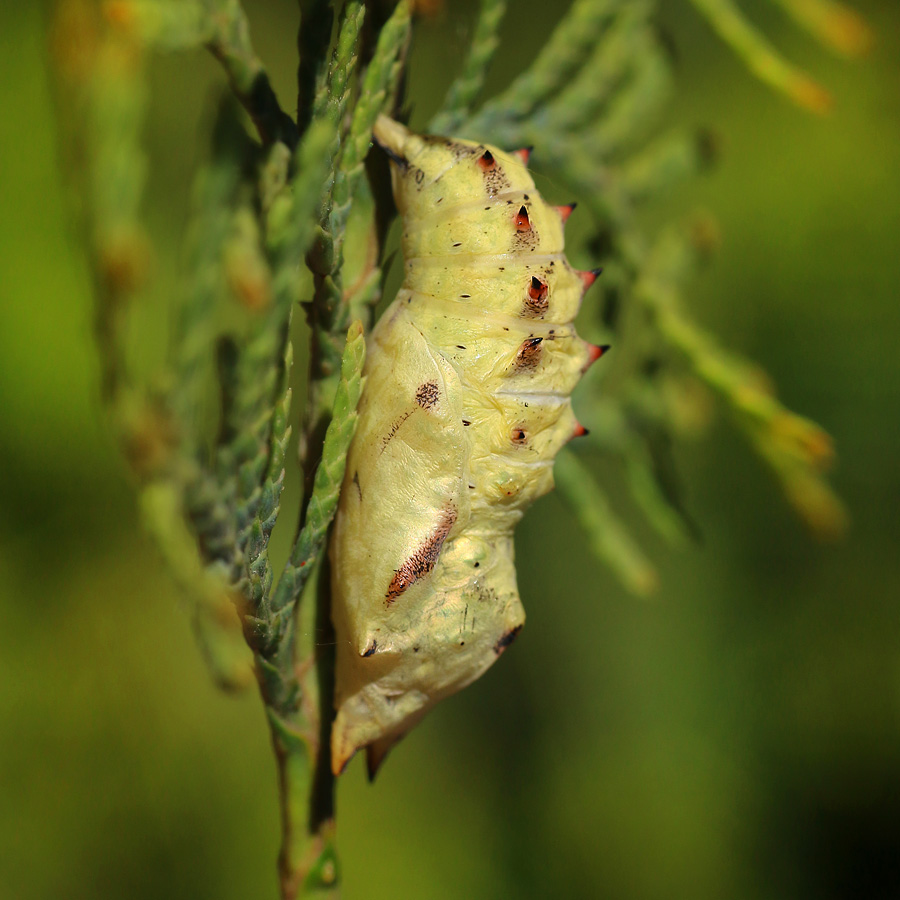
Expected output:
(737, 736)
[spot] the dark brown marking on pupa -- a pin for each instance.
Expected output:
(461, 151)
(423, 560)
(428, 394)
(495, 178)
(506, 639)
(529, 355)
(369, 650)
(394, 429)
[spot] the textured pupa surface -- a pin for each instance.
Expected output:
(465, 406)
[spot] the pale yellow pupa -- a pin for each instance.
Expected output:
(466, 404)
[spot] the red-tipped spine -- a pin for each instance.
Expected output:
(589, 277)
(579, 430)
(565, 211)
(524, 154)
(594, 353)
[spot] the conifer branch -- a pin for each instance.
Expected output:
(207, 436)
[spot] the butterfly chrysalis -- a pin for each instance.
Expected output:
(466, 404)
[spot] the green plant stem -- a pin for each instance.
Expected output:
(616, 51)
(313, 41)
(608, 537)
(469, 82)
(329, 107)
(294, 674)
(834, 24)
(761, 57)
(796, 448)
(230, 44)
(221, 26)
(329, 314)
(558, 62)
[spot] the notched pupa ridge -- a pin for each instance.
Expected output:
(466, 405)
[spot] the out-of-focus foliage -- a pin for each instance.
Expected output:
(206, 430)
(739, 738)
